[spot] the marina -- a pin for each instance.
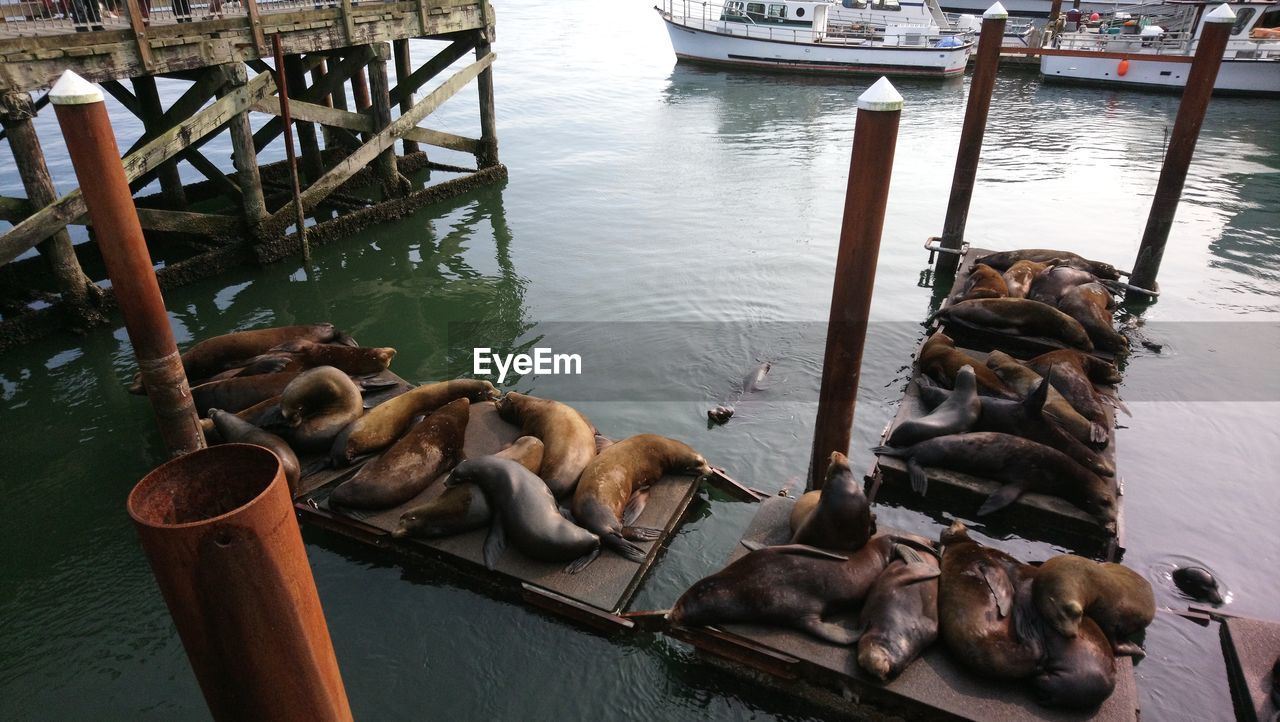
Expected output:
(494, 265)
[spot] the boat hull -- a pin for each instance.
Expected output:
(1038, 9)
(1235, 77)
(702, 46)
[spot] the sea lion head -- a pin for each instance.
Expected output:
(954, 534)
(1064, 617)
(508, 406)
(966, 380)
(384, 355)
(1101, 502)
(881, 655)
(445, 515)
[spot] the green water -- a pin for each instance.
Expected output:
(672, 226)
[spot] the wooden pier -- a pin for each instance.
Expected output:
(352, 174)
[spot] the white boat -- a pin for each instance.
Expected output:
(796, 36)
(925, 13)
(1038, 9)
(1127, 51)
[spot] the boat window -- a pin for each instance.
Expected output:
(859, 4)
(755, 11)
(799, 12)
(778, 12)
(733, 9)
(1243, 16)
(886, 5)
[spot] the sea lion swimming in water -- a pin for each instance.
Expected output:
(753, 381)
(899, 618)
(384, 423)
(942, 361)
(317, 405)
(955, 415)
(983, 282)
(1069, 588)
(1198, 583)
(1021, 464)
(614, 487)
(1003, 260)
(569, 438)
(1024, 381)
(1019, 277)
(1018, 317)
(233, 429)
(837, 517)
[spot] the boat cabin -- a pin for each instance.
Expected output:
(807, 15)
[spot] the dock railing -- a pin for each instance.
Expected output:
(20, 18)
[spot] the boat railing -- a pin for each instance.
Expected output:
(711, 17)
(1163, 44)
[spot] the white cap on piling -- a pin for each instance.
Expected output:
(996, 12)
(71, 89)
(880, 96)
(1221, 14)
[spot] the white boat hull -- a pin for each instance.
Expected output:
(719, 48)
(1038, 9)
(1240, 77)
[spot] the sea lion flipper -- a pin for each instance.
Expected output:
(829, 632)
(641, 533)
(624, 548)
(907, 554)
(1000, 498)
(373, 383)
(807, 550)
(1129, 649)
(635, 505)
(919, 479)
(582, 562)
(1098, 433)
(752, 545)
(918, 545)
(495, 543)
(1001, 592)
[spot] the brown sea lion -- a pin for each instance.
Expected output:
(1018, 317)
(463, 507)
(318, 404)
(524, 512)
(1052, 285)
(1057, 407)
(569, 437)
(1070, 381)
(232, 429)
(1077, 672)
(899, 618)
(793, 585)
(1002, 260)
(941, 361)
(1069, 588)
(841, 518)
(1090, 304)
(955, 415)
(384, 423)
(237, 394)
(429, 449)
(1022, 465)
(1093, 368)
(614, 487)
(983, 282)
(1020, 275)
(301, 355)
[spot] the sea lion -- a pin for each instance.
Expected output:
(463, 507)
(1077, 672)
(941, 361)
(1020, 275)
(429, 449)
(841, 517)
(233, 429)
(614, 487)
(1018, 317)
(523, 511)
(792, 585)
(983, 282)
(1021, 464)
(981, 617)
(317, 404)
(1003, 260)
(302, 354)
(1023, 380)
(1198, 583)
(1050, 286)
(1091, 304)
(568, 436)
(1068, 588)
(753, 381)
(1093, 368)
(899, 618)
(720, 414)
(237, 394)
(955, 415)
(1070, 381)
(1026, 418)
(384, 423)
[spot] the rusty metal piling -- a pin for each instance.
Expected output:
(975, 126)
(870, 168)
(1182, 145)
(91, 143)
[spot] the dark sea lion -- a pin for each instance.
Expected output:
(753, 381)
(214, 355)
(1068, 588)
(941, 361)
(899, 618)
(1076, 672)
(1093, 368)
(463, 507)
(1049, 287)
(1003, 260)
(384, 423)
(302, 354)
(1020, 275)
(317, 405)
(237, 394)
(525, 513)
(793, 585)
(720, 414)
(1026, 418)
(1018, 317)
(614, 487)
(1024, 381)
(1090, 305)
(955, 415)
(841, 517)
(983, 282)
(982, 619)
(1022, 465)
(233, 429)
(568, 435)
(1071, 382)
(429, 449)
(1198, 583)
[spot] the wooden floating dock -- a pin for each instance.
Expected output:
(934, 687)
(1252, 651)
(240, 213)
(596, 597)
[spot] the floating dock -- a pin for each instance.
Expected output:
(934, 687)
(1252, 651)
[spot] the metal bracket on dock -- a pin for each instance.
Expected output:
(934, 247)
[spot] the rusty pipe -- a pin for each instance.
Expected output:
(218, 528)
(875, 136)
(91, 143)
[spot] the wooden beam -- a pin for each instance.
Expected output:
(406, 86)
(123, 96)
(255, 26)
(140, 34)
(335, 78)
(144, 87)
(191, 100)
(360, 123)
(15, 210)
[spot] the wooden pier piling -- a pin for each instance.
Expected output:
(404, 63)
(970, 149)
(1182, 145)
(875, 137)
